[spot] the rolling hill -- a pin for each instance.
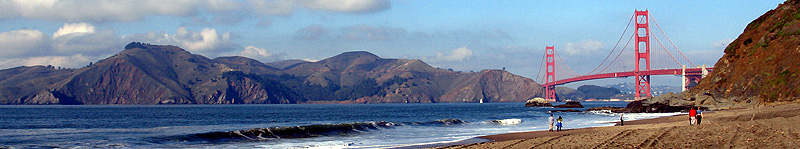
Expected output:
(164, 74)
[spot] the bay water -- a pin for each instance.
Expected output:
(280, 126)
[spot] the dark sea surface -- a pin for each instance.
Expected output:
(279, 126)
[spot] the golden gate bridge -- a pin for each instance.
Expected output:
(642, 54)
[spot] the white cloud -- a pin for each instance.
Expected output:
(261, 54)
(149, 37)
(99, 11)
(348, 6)
(73, 61)
(454, 55)
(310, 60)
(286, 7)
(73, 45)
(134, 10)
(70, 39)
(22, 43)
(207, 42)
(74, 28)
(583, 47)
(84, 38)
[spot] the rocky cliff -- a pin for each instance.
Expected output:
(761, 66)
(162, 74)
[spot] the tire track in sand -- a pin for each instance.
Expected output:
(618, 136)
(733, 137)
(545, 142)
(652, 140)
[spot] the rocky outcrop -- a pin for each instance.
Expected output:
(640, 107)
(668, 102)
(251, 89)
(760, 66)
(537, 102)
(570, 104)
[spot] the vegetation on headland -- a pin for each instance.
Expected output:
(759, 67)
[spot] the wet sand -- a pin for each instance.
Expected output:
(775, 126)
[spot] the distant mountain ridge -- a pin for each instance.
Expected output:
(163, 74)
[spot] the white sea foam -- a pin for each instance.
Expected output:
(638, 116)
(505, 121)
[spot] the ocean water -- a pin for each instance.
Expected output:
(279, 126)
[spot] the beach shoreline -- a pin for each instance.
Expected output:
(534, 134)
(772, 126)
(545, 133)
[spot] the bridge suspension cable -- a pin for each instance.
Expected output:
(665, 50)
(538, 76)
(670, 41)
(570, 72)
(620, 53)
(615, 47)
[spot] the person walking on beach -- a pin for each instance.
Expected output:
(698, 115)
(621, 122)
(551, 121)
(692, 114)
(558, 125)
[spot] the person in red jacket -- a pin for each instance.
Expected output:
(692, 114)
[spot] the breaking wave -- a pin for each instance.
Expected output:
(264, 134)
(441, 122)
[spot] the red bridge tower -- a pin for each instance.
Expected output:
(550, 92)
(642, 54)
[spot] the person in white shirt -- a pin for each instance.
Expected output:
(550, 121)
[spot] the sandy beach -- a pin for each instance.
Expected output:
(773, 126)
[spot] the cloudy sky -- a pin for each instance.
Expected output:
(462, 35)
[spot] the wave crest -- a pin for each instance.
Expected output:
(343, 129)
(441, 122)
(262, 134)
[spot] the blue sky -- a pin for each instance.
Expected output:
(462, 35)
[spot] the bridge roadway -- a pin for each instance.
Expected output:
(689, 71)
